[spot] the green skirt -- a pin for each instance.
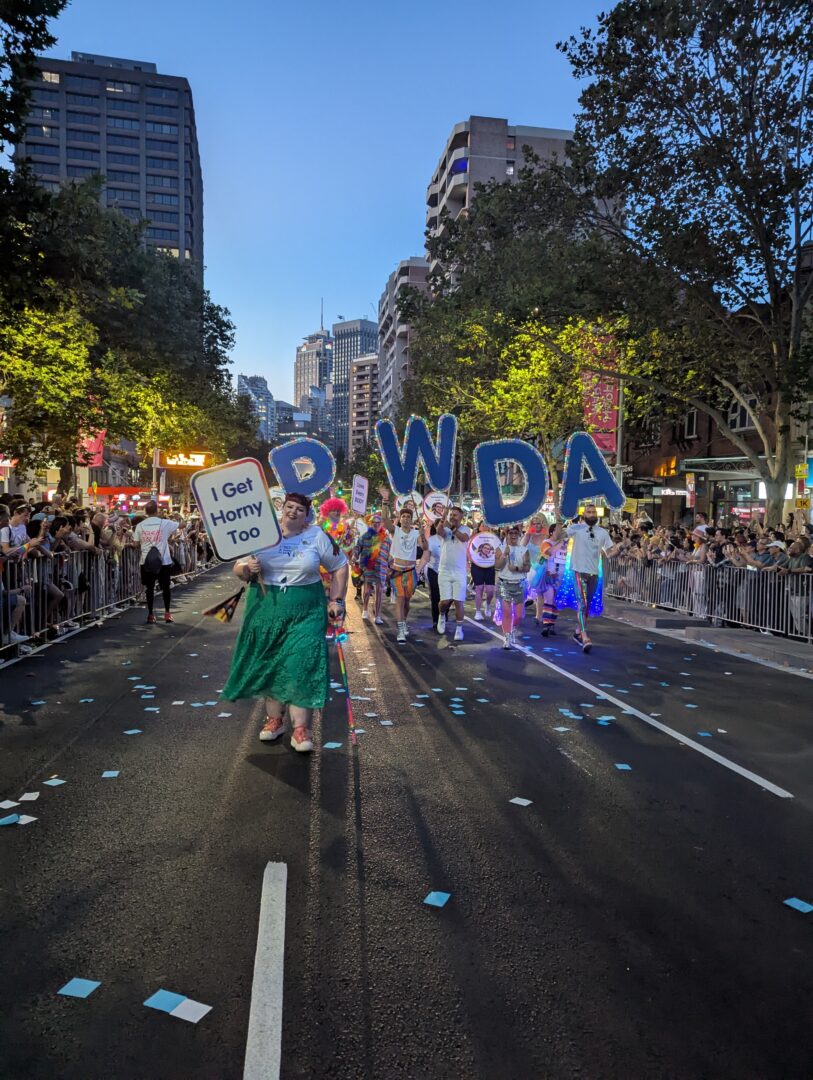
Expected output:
(281, 651)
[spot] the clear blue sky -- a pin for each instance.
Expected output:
(320, 125)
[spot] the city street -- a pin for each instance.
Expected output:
(629, 922)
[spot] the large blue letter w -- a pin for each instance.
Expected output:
(437, 459)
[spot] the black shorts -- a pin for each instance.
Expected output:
(482, 575)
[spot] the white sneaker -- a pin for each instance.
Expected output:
(402, 634)
(379, 621)
(441, 624)
(458, 634)
(506, 641)
(478, 616)
(392, 597)
(365, 616)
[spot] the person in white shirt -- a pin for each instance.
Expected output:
(513, 560)
(590, 543)
(154, 532)
(403, 557)
(452, 567)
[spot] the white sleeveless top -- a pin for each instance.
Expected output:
(404, 545)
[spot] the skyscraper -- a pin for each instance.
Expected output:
(262, 404)
(394, 334)
(351, 338)
(313, 365)
(99, 114)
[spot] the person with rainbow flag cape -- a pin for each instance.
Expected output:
(583, 579)
(373, 557)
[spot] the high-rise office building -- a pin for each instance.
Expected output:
(363, 402)
(263, 405)
(351, 338)
(394, 333)
(98, 114)
(313, 365)
(480, 149)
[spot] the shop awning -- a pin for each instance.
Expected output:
(732, 468)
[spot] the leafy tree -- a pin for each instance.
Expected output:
(695, 144)
(24, 33)
(369, 464)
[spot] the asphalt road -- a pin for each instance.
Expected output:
(628, 923)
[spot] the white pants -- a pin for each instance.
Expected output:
(452, 585)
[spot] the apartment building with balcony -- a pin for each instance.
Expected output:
(364, 407)
(121, 118)
(480, 149)
(394, 334)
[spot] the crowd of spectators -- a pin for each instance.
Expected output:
(63, 565)
(704, 568)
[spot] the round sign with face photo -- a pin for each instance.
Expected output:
(409, 502)
(482, 548)
(434, 504)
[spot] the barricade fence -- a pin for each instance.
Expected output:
(722, 595)
(44, 596)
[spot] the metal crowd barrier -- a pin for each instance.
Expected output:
(723, 595)
(74, 590)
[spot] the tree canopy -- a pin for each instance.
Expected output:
(681, 220)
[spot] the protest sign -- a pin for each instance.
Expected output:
(236, 508)
(358, 498)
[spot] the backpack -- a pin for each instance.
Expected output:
(154, 561)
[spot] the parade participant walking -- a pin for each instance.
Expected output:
(429, 562)
(403, 557)
(533, 538)
(372, 555)
(153, 535)
(333, 519)
(554, 554)
(513, 561)
(452, 567)
(589, 542)
(281, 653)
(482, 550)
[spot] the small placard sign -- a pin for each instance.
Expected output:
(236, 508)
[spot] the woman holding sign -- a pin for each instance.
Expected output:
(281, 653)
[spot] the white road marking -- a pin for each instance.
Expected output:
(760, 781)
(264, 1045)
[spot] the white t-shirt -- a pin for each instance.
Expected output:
(453, 552)
(404, 545)
(296, 559)
(433, 547)
(14, 535)
(516, 557)
(155, 532)
(588, 544)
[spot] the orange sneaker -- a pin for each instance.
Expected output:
(302, 740)
(272, 729)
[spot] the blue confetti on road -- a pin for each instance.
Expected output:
(798, 905)
(79, 988)
(437, 899)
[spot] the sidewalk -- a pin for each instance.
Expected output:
(750, 644)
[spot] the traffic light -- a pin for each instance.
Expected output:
(339, 489)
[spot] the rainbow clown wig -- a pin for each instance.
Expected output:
(330, 506)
